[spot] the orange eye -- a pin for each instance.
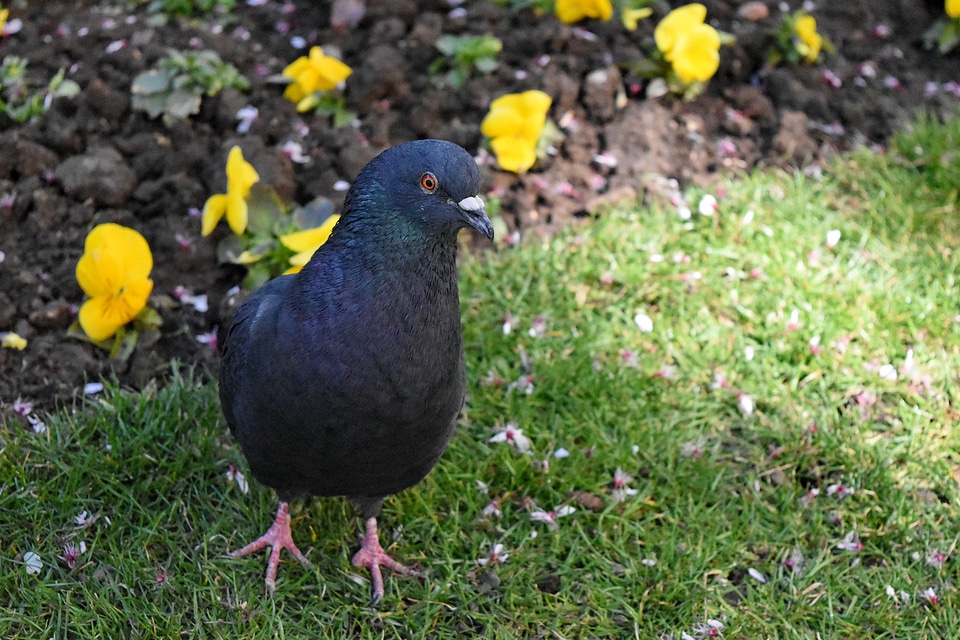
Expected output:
(428, 181)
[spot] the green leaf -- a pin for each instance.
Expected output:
(150, 82)
(343, 118)
(456, 78)
(181, 104)
(148, 318)
(257, 276)
(486, 65)
(313, 214)
(124, 342)
(265, 210)
(76, 332)
(447, 45)
(67, 89)
(229, 249)
(153, 105)
(949, 37)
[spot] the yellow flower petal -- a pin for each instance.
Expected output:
(113, 256)
(517, 114)
(11, 340)
(302, 258)
(248, 257)
(213, 210)
(114, 271)
(240, 174)
(514, 154)
(514, 124)
(631, 17)
(312, 73)
(98, 320)
(676, 23)
(294, 92)
(100, 317)
(501, 121)
(237, 212)
(296, 67)
(952, 7)
(696, 54)
(308, 103)
(310, 239)
(811, 42)
(571, 11)
(305, 243)
(330, 73)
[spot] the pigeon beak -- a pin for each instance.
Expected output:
(475, 215)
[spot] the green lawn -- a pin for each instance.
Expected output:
(789, 423)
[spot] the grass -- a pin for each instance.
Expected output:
(726, 523)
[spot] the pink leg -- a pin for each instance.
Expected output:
(372, 556)
(278, 537)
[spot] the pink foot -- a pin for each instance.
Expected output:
(278, 537)
(372, 556)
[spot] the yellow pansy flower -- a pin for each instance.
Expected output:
(306, 242)
(696, 54)
(11, 340)
(631, 17)
(5, 14)
(114, 272)
(809, 41)
(241, 176)
(952, 7)
(312, 73)
(675, 24)
(514, 124)
(571, 11)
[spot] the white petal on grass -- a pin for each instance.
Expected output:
(707, 205)
(38, 425)
(756, 575)
(512, 436)
(644, 322)
(887, 372)
(746, 404)
(32, 563)
(564, 510)
(850, 542)
(92, 387)
(561, 453)
(929, 595)
(833, 237)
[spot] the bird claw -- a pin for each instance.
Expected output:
(278, 538)
(371, 556)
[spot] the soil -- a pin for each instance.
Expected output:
(92, 158)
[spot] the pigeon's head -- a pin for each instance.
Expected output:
(431, 185)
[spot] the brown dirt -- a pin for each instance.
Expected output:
(92, 159)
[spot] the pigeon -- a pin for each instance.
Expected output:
(346, 379)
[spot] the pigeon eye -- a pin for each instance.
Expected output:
(428, 181)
